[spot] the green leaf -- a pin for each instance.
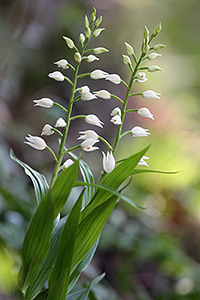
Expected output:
(63, 187)
(39, 181)
(37, 239)
(139, 171)
(82, 265)
(114, 180)
(95, 281)
(36, 242)
(59, 279)
(87, 177)
(47, 264)
(75, 295)
(107, 188)
(42, 295)
(90, 228)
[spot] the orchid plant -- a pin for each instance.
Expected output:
(57, 250)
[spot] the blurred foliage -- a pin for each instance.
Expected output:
(153, 254)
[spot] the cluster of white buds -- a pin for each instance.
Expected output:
(99, 74)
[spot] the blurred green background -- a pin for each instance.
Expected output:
(153, 254)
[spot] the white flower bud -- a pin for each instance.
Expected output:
(154, 69)
(44, 102)
(145, 47)
(36, 142)
(159, 46)
(142, 161)
(126, 60)
(100, 50)
(62, 63)
(82, 38)
(91, 58)
(47, 130)
(88, 134)
(108, 162)
(58, 76)
(67, 163)
(103, 94)
(60, 123)
(98, 74)
(153, 55)
(77, 57)
(86, 22)
(93, 15)
(94, 120)
(114, 78)
(157, 29)
(69, 42)
(138, 131)
(83, 89)
(87, 32)
(116, 120)
(86, 96)
(129, 49)
(98, 21)
(116, 111)
(87, 145)
(146, 34)
(98, 31)
(145, 112)
(149, 94)
(141, 77)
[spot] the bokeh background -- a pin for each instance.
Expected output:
(150, 254)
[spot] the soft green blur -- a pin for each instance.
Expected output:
(150, 254)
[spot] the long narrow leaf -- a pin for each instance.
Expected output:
(47, 264)
(95, 281)
(114, 180)
(39, 181)
(59, 279)
(82, 265)
(90, 228)
(140, 171)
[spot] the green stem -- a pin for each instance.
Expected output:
(106, 143)
(72, 67)
(68, 116)
(67, 79)
(83, 75)
(124, 83)
(143, 68)
(60, 106)
(131, 110)
(126, 103)
(116, 97)
(125, 133)
(57, 131)
(136, 94)
(77, 98)
(52, 153)
(77, 117)
(71, 149)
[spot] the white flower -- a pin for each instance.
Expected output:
(47, 130)
(98, 31)
(103, 94)
(126, 60)
(108, 162)
(91, 58)
(60, 123)
(88, 134)
(67, 163)
(116, 111)
(87, 145)
(98, 74)
(145, 112)
(62, 63)
(154, 69)
(153, 55)
(36, 142)
(44, 102)
(86, 96)
(141, 77)
(129, 49)
(69, 42)
(114, 78)
(139, 131)
(83, 89)
(100, 50)
(77, 57)
(94, 120)
(142, 161)
(57, 76)
(149, 94)
(82, 38)
(116, 120)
